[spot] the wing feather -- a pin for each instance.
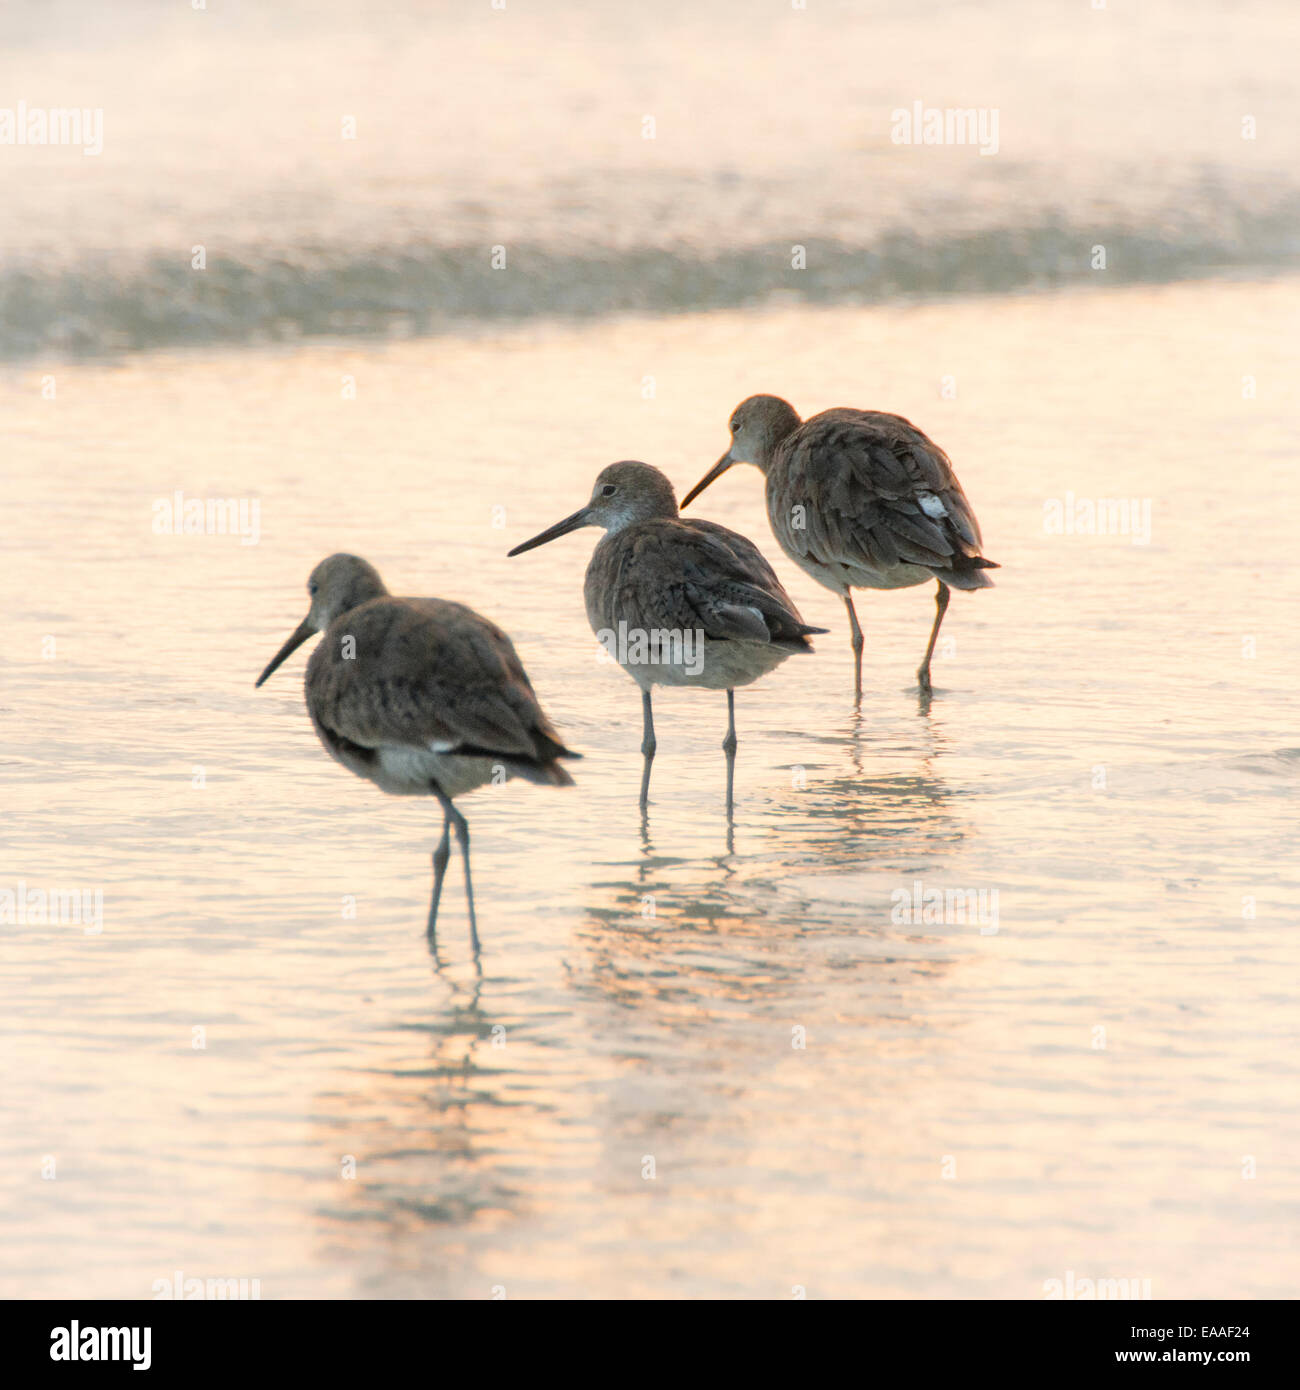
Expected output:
(427, 674)
(690, 574)
(876, 492)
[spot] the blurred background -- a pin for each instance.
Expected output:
(525, 127)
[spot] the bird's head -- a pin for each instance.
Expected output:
(758, 425)
(336, 586)
(624, 493)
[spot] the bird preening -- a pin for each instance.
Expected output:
(424, 697)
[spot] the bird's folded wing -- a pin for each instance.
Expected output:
(730, 622)
(876, 490)
(440, 680)
(700, 575)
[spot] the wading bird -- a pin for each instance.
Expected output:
(421, 696)
(860, 500)
(679, 601)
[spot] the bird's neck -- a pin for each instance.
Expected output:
(635, 516)
(357, 595)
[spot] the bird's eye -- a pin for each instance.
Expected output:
(734, 426)
(608, 490)
(312, 587)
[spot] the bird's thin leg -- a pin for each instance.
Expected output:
(461, 828)
(440, 857)
(648, 744)
(856, 632)
(941, 607)
(729, 748)
(462, 834)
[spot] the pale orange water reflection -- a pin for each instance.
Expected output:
(500, 1126)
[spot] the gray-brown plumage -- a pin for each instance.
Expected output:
(421, 696)
(860, 500)
(720, 614)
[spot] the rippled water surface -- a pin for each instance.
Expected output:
(1111, 748)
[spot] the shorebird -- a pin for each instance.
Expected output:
(676, 601)
(860, 500)
(421, 696)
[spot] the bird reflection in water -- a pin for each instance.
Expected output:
(740, 926)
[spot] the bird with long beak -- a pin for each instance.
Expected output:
(422, 697)
(859, 500)
(677, 601)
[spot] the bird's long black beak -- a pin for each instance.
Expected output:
(711, 476)
(300, 634)
(561, 528)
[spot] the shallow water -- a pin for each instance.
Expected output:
(1111, 748)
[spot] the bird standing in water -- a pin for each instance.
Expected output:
(679, 601)
(859, 500)
(421, 696)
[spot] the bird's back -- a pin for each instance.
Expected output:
(430, 676)
(689, 574)
(866, 489)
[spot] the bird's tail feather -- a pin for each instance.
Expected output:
(968, 573)
(549, 774)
